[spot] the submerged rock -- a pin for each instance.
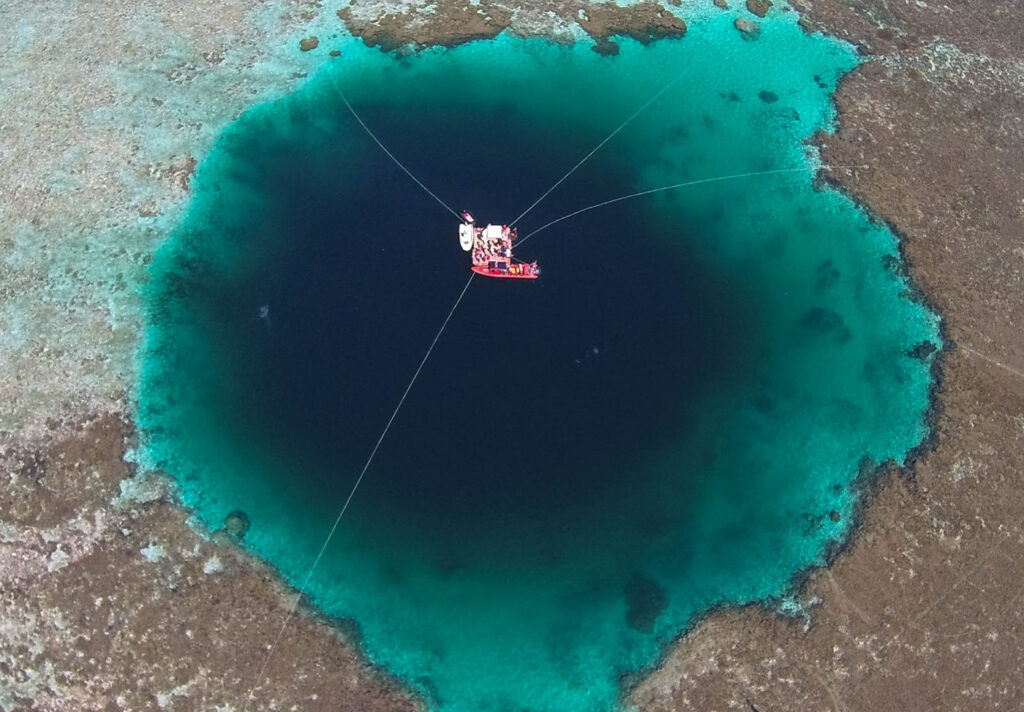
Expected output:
(606, 47)
(308, 43)
(922, 350)
(827, 275)
(645, 601)
(722, 4)
(768, 97)
(750, 29)
(237, 524)
(820, 320)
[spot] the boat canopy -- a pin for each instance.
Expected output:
(491, 251)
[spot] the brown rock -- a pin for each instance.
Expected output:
(449, 25)
(722, 4)
(308, 44)
(335, 52)
(759, 7)
(645, 22)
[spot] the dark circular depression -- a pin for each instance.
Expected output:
(539, 398)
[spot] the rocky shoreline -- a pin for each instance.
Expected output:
(919, 612)
(110, 601)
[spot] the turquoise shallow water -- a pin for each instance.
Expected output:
(671, 419)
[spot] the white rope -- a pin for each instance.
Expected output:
(598, 147)
(664, 188)
(351, 494)
(390, 154)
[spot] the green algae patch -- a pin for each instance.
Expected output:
(672, 418)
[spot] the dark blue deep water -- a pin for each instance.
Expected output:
(671, 418)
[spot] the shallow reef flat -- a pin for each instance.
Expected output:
(104, 111)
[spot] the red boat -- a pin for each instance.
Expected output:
(491, 250)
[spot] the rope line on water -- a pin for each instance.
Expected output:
(668, 187)
(389, 153)
(596, 148)
(351, 494)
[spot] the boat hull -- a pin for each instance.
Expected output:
(484, 271)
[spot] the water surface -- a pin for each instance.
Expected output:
(670, 419)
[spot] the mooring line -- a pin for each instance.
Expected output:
(351, 494)
(596, 148)
(389, 153)
(668, 187)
